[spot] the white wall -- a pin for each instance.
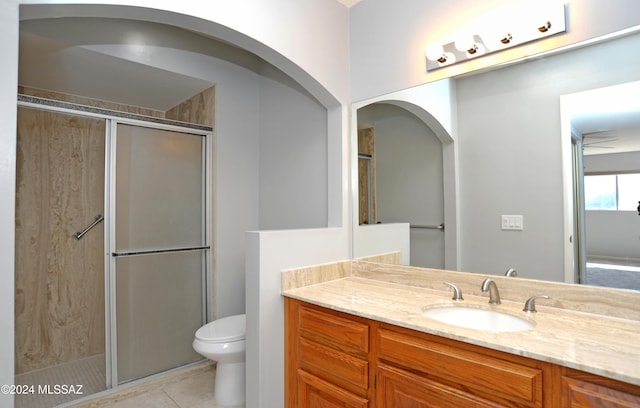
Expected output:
(378, 239)
(293, 159)
(388, 42)
(8, 113)
(627, 162)
(265, 261)
(613, 233)
(510, 157)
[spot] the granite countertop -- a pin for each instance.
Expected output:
(596, 343)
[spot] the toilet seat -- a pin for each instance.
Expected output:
(227, 329)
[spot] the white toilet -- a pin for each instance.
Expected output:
(223, 340)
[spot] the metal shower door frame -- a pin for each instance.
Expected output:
(110, 231)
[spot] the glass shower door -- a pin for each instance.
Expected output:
(160, 248)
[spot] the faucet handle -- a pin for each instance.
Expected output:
(530, 304)
(457, 293)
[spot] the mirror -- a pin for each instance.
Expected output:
(507, 169)
(604, 126)
(400, 156)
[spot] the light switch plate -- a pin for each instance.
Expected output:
(512, 223)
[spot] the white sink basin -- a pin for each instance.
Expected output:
(479, 319)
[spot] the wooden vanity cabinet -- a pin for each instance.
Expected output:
(334, 359)
(326, 358)
(583, 390)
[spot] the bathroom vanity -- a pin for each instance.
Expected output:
(360, 338)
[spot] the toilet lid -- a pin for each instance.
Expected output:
(223, 330)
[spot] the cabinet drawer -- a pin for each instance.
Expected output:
(315, 392)
(578, 393)
(334, 331)
(348, 372)
(480, 374)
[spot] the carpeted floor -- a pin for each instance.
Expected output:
(613, 276)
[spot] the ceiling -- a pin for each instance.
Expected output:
(111, 59)
(609, 119)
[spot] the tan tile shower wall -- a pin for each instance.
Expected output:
(366, 173)
(59, 280)
(199, 109)
(96, 103)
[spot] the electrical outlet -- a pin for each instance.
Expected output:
(512, 223)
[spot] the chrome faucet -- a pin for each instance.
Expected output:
(457, 293)
(511, 272)
(530, 304)
(490, 286)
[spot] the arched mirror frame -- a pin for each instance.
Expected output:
(432, 104)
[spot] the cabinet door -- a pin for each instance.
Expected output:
(399, 388)
(314, 392)
(579, 393)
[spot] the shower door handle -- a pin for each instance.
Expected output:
(436, 227)
(95, 222)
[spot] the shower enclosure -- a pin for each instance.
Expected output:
(112, 246)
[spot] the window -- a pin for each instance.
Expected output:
(619, 192)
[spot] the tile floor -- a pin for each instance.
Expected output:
(90, 372)
(191, 387)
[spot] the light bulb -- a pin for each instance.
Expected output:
(435, 52)
(465, 43)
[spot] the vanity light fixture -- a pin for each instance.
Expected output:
(539, 21)
(545, 27)
(506, 39)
